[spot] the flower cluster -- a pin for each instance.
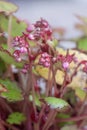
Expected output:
(45, 59)
(66, 60)
(21, 46)
(39, 30)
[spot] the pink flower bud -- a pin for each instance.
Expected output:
(65, 65)
(18, 59)
(24, 71)
(44, 55)
(31, 37)
(16, 53)
(30, 28)
(23, 49)
(54, 59)
(42, 60)
(47, 59)
(47, 64)
(17, 38)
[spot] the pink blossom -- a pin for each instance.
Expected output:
(65, 65)
(31, 37)
(30, 28)
(23, 50)
(45, 59)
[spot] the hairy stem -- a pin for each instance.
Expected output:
(63, 88)
(5, 105)
(51, 117)
(54, 80)
(78, 118)
(11, 127)
(49, 82)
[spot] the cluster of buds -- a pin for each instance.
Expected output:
(45, 59)
(39, 30)
(20, 46)
(66, 60)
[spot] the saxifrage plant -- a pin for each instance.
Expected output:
(42, 87)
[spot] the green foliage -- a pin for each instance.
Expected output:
(4, 46)
(16, 118)
(10, 91)
(2, 67)
(13, 92)
(81, 94)
(82, 44)
(9, 59)
(70, 96)
(64, 116)
(56, 103)
(7, 7)
(37, 101)
(18, 26)
(55, 43)
(2, 88)
(3, 40)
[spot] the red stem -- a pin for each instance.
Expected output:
(82, 117)
(8, 125)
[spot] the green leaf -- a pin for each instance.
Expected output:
(7, 7)
(64, 116)
(56, 103)
(9, 59)
(18, 26)
(70, 96)
(55, 43)
(2, 67)
(2, 88)
(81, 94)
(16, 118)
(37, 101)
(4, 46)
(13, 92)
(82, 44)
(3, 40)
